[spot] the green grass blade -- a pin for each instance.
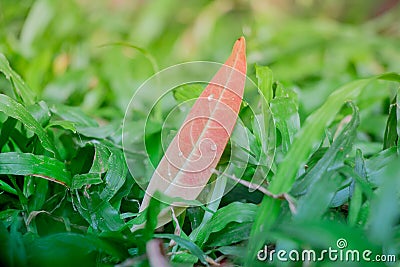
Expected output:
(13, 109)
(40, 166)
(80, 180)
(390, 137)
(99, 132)
(375, 165)
(20, 88)
(265, 80)
(286, 119)
(234, 212)
(184, 243)
(304, 144)
(310, 135)
(314, 204)
(233, 233)
(116, 175)
(7, 188)
(73, 114)
(386, 205)
(356, 199)
(6, 130)
(335, 155)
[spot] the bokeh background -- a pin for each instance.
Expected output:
(95, 54)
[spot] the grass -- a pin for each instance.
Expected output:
(322, 139)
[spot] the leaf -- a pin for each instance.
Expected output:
(265, 82)
(375, 165)
(185, 258)
(263, 126)
(116, 174)
(305, 142)
(21, 89)
(314, 204)
(160, 200)
(192, 247)
(285, 111)
(356, 199)
(309, 136)
(7, 188)
(66, 125)
(13, 109)
(233, 233)
(335, 155)
(214, 202)
(196, 149)
(149, 218)
(235, 212)
(6, 130)
(99, 166)
(79, 180)
(99, 132)
(386, 205)
(390, 138)
(17, 163)
(40, 111)
(98, 213)
(233, 250)
(73, 114)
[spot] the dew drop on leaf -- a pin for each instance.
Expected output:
(213, 147)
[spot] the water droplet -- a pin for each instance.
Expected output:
(180, 154)
(213, 147)
(210, 97)
(233, 99)
(169, 174)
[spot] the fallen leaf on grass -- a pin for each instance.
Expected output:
(196, 149)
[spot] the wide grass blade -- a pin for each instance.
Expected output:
(391, 135)
(305, 142)
(184, 243)
(17, 111)
(323, 180)
(40, 166)
(20, 88)
(234, 212)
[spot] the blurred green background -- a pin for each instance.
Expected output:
(95, 54)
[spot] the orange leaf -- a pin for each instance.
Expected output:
(197, 148)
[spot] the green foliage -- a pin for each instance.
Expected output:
(69, 68)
